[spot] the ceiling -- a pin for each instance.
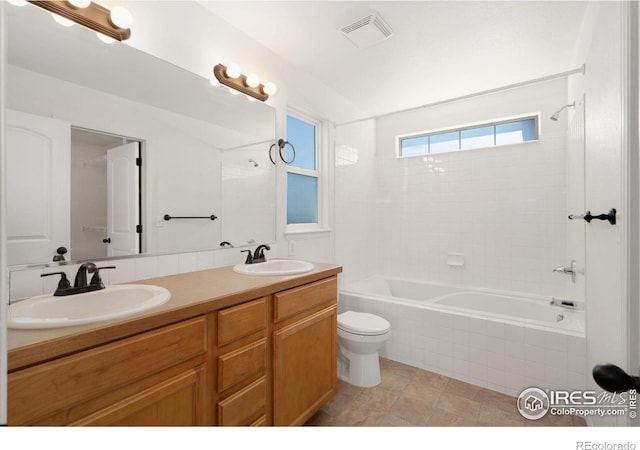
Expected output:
(439, 49)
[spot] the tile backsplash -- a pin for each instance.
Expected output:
(24, 283)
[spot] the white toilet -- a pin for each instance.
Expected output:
(360, 336)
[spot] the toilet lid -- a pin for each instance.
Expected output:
(362, 323)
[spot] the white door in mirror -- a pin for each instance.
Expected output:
(113, 302)
(275, 267)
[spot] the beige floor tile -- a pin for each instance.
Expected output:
(413, 410)
(393, 382)
(462, 389)
(378, 398)
(389, 420)
(423, 393)
(459, 406)
(408, 396)
(496, 417)
(358, 414)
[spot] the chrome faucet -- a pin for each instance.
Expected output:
(571, 270)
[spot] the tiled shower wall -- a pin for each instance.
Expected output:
(503, 208)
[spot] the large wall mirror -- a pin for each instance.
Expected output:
(104, 140)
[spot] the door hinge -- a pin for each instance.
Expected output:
(139, 162)
(138, 228)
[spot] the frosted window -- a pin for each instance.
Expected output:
(302, 198)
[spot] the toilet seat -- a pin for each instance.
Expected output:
(362, 324)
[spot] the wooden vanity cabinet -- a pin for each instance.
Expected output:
(267, 361)
(242, 352)
(304, 351)
(154, 378)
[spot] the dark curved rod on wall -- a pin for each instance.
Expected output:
(281, 145)
(168, 217)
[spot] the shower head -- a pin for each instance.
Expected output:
(555, 115)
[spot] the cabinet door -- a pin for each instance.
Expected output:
(304, 367)
(176, 401)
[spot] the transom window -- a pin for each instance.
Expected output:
(512, 131)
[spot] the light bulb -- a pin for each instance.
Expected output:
(79, 3)
(270, 88)
(253, 80)
(233, 91)
(214, 82)
(104, 38)
(233, 71)
(62, 20)
(121, 17)
(18, 2)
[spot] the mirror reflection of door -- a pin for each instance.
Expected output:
(105, 195)
(37, 168)
(123, 207)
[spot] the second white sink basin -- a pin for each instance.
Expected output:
(112, 302)
(275, 267)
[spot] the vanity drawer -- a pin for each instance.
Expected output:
(242, 320)
(244, 407)
(304, 298)
(60, 384)
(242, 364)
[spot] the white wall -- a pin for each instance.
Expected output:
(503, 207)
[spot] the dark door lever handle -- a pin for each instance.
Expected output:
(613, 379)
(107, 241)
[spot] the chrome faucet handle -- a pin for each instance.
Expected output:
(571, 270)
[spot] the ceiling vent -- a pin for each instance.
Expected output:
(367, 31)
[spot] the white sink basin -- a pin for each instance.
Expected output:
(274, 267)
(112, 302)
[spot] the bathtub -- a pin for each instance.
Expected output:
(499, 340)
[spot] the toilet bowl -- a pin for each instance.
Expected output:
(360, 336)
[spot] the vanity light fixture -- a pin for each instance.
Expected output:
(114, 24)
(247, 84)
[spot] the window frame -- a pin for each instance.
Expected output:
(470, 126)
(293, 228)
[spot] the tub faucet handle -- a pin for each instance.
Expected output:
(571, 270)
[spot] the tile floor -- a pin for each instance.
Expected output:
(408, 396)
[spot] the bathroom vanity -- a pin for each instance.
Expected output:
(226, 349)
